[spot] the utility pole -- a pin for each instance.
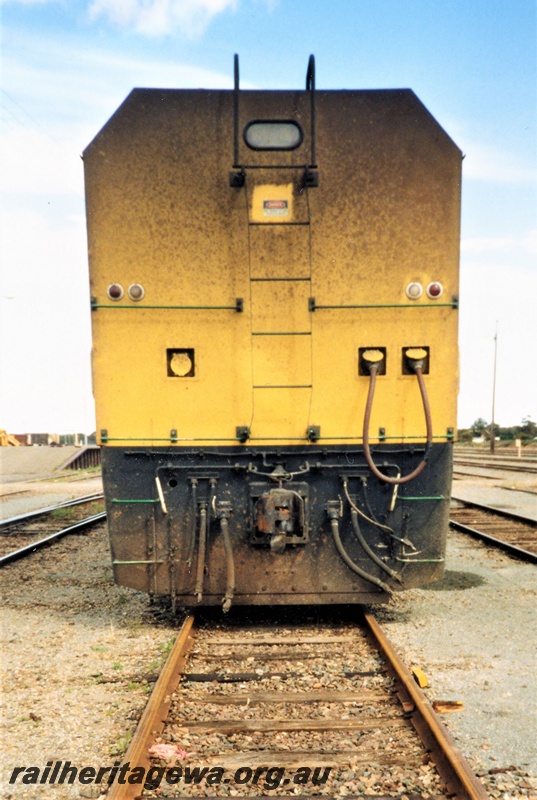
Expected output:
(492, 438)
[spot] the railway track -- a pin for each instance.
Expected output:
(491, 461)
(296, 710)
(527, 468)
(512, 532)
(46, 525)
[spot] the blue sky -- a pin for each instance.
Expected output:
(68, 64)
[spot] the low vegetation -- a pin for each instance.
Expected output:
(481, 429)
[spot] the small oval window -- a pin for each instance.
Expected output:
(273, 134)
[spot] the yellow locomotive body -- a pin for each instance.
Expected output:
(252, 253)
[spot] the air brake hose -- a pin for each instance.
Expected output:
(371, 519)
(350, 563)
(230, 565)
(371, 553)
(198, 591)
(373, 369)
(192, 542)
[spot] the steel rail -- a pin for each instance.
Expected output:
(513, 549)
(509, 547)
(452, 766)
(449, 760)
(40, 511)
(502, 455)
(154, 716)
(31, 548)
(499, 511)
(497, 466)
(522, 461)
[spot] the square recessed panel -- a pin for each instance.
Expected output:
(180, 362)
(421, 352)
(372, 355)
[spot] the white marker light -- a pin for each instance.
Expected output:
(414, 290)
(136, 291)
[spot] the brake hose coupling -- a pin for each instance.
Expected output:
(415, 358)
(334, 509)
(372, 359)
(223, 509)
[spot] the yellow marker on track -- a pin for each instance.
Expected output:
(420, 677)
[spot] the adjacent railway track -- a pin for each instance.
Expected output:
(460, 467)
(498, 462)
(46, 525)
(306, 709)
(512, 532)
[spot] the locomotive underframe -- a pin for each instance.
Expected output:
(277, 504)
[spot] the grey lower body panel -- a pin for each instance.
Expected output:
(165, 508)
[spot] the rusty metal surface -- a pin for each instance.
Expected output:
(159, 552)
(449, 760)
(156, 711)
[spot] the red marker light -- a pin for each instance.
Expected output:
(434, 290)
(115, 291)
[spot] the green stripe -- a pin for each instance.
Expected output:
(454, 304)
(414, 436)
(169, 439)
(139, 439)
(420, 560)
(433, 497)
(184, 308)
(150, 438)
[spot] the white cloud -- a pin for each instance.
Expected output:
(51, 114)
(158, 17)
(494, 165)
(33, 163)
(505, 244)
(91, 88)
